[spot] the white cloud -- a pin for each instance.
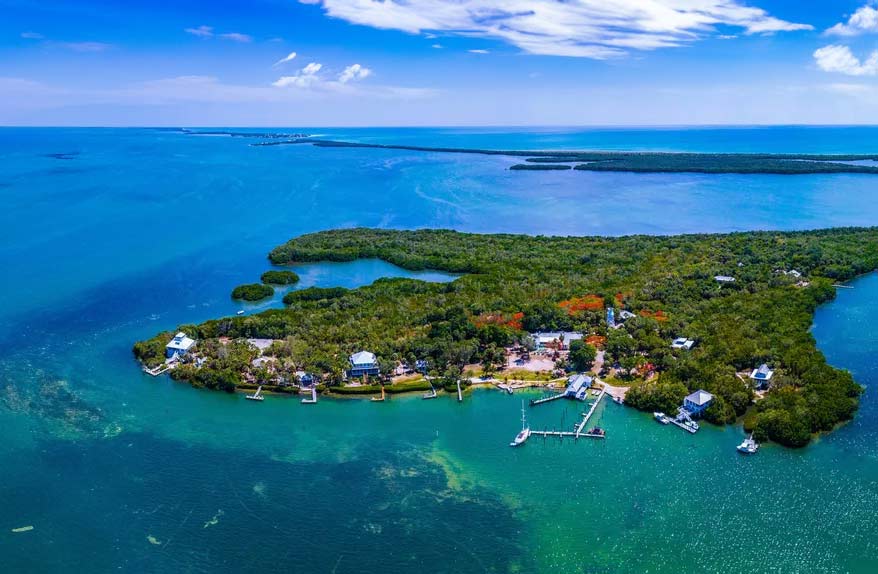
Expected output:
(479, 51)
(578, 28)
(32, 36)
(306, 78)
(354, 72)
(236, 37)
(201, 31)
(437, 46)
(864, 20)
(288, 58)
(840, 59)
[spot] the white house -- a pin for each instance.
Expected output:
(697, 402)
(556, 340)
(762, 376)
(724, 279)
(179, 346)
(363, 363)
(577, 387)
(682, 343)
(624, 315)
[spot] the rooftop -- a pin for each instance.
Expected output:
(699, 398)
(363, 358)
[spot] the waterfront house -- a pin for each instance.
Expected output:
(682, 343)
(179, 346)
(305, 379)
(697, 402)
(577, 387)
(762, 376)
(363, 363)
(558, 340)
(724, 279)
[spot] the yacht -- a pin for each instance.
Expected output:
(749, 446)
(662, 418)
(525, 430)
(240, 312)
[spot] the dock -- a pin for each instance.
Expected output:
(163, 368)
(562, 434)
(682, 426)
(432, 394)
(837, 286)
(577, 431)
(535, 402)
(459, 392)
(590, 412)
(257, 396)
(313, 399)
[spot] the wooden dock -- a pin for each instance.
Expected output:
(590, 412)
(535, 402)
(313, 399)
(164, 368)
(682, 426)
(459, 392)
(562, 434)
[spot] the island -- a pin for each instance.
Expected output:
(252, 292)
(642, 161)
(663, 316)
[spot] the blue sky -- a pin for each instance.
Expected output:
(438, 62)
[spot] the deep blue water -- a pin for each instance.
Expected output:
(140, 230)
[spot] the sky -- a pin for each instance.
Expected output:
(438, 62)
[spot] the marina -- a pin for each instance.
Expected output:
(578, 430)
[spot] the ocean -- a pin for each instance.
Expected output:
(110, 235)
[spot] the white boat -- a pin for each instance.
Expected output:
(692, 425)
(662, 418)
(240, 312)
(749, 446)
(618, 400)
(521, 437)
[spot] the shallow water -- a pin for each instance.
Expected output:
(144, 230)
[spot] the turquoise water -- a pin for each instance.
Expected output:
(143, 229)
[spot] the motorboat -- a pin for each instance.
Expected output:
(749, 446)
(662, 418)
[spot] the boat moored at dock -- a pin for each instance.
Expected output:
(662, 418)
(522, 436)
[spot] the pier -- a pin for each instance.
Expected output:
(313, 399)
(843, 286)
(163, 368)
(257, 396)
(577, 431)
(535, 402)
(459, 392)
(590, 412)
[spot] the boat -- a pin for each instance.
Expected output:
(597, 431)
(749, 446)
(257, 396)
(240, 312)
(521, 437)
(662, 418)
(618, 400)
(691, 424)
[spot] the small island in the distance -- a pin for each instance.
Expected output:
(739, 301)
(639, 161)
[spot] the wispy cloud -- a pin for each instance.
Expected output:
(288, 58)
(437, 46)
(32, 36)
(200, 31)
(479, 51)
(840, 59)
(236, 37)
(208, 32)
(583, 28)
(863, 21)
(85, 46)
